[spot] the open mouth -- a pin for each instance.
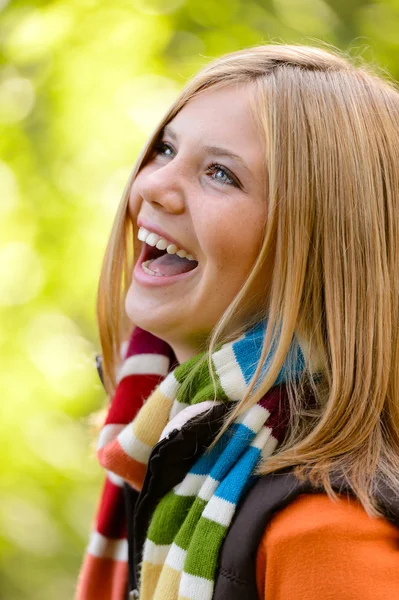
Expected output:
(165, 263)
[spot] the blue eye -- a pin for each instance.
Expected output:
(160, 148)
(226, 177)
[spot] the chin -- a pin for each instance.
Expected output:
(150, 318)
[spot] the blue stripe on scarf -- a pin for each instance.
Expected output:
(232, 486)
(227, 450)
(206, 461)
(247, 352)
(240, 436)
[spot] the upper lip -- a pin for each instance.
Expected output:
(152, 227)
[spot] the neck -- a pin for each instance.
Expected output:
(185, 351)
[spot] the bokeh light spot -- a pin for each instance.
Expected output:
(17, 98)
(28, 525)
(157, 7)
(56, 347)
(315, 16)
(60, 442)
(21, 274)
(9, 189)
(37, 32)
(146, 99)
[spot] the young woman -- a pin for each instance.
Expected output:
(252, 443)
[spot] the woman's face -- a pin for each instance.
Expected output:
(203, 192)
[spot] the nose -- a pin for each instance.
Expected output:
(163, 188)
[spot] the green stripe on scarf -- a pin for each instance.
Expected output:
(186, 532)
(200, 563)
(187, 529)
(164, 530)
(196, 383)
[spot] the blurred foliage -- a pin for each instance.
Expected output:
(82, 84)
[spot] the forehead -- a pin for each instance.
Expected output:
(222, 117)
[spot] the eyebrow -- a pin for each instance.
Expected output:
(213, 150)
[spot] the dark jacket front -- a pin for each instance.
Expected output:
(170, 461)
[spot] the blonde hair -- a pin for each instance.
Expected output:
(331, 140)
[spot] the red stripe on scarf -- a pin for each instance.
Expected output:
(113, 454)
(102, 579)
(111, 514)
(129, 396)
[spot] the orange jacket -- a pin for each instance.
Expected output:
(317, 549)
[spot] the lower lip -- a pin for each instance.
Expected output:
(153, 281)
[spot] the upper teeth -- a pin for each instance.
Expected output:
(152, 239)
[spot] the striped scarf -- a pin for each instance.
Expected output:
(187, 529)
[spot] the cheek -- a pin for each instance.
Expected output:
(134, 200)
(234, 244)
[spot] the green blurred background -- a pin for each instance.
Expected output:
(82, 85)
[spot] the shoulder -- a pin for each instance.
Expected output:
(313, 515)
(319, 548)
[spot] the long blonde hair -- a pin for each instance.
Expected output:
(331, 139)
